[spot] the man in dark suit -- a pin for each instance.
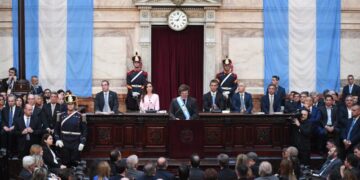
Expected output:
(9, 82)
(28, 163)
(35, 87)
(161, 172)
(51, 109)
(225, 172)
(328, 126)
(8, 115)
(271, 102)
(344, 112)
(183, 107)
(351, 136)
(318, 102)
(301, 131)
(195, 172)
(292, 105)
(280, 91)
(331, 164)
(28, 131)
(242, 101)
(149, 172)
(350, 89)
(106, 101)
(214, 100)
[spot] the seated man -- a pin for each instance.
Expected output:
(35, 87)
(8, 83)
(242, 101)
(292, 105)
(270, 102)
(214, 100)
(28, 163)
(106, 101)
(183, 107)
(331, 164)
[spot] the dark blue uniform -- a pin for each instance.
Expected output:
(229, 84)
(72, 131)
(132, 102)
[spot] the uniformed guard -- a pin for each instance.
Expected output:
(227, 81)
(70, 133)
(136, 79)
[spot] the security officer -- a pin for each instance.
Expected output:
(136, 79)
(70, 133)
(227, 81)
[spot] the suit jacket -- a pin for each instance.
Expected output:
(35, 124)
(302, 135)
(354, 135)
(50, 119)
(219, 101)
(227, 174)
(324, 117)
(164, 174)
(334, 165)
(25, 174)
(4, 85)
(100, 101)
(49, 158)
(280, 91)
(265, 104)
(5, 116)
(343, 117)
(355, 91)
(236, 103)
(175, 110)
(36, 90)
(196, 173)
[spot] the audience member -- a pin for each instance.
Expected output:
(253, 163)
(149, 172)
(350, 163)
(115, 156)
(242, 171)
(35, 87)
(40, 174)
(195, 171)
(120, 172)
(49, 156)
(351, 88)
(350, 136)
(103, 171)
(332, 163)
(28, 163)
(132, 164)
(36, 149)
(286, 170)
(265, 172)
(9, 82)
(225, 172)
(210, 174)
(161, 172)
(183, 172)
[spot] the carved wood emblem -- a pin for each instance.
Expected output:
(186, 136)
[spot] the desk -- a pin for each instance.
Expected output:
(147, 134)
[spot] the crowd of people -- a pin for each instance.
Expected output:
(323, 122)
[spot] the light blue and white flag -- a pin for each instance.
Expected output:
(302, 43)
(59, 41)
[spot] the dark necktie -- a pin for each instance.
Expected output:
(11, 117)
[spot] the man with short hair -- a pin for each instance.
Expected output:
(28, 163)
(149, 172)
(350, 163)
(35, 87)
(9, 82)
(183, 107)
(242, 101)
(214, 100)
(225, 172)
(28, 130)
(132, 164)
(265, 172)
(351, 135)
(292, 105)
(332, 163)
(115, 156)
(303, 96)
(161, 172)
(350, 89)
(8, 115)
(280, 91)
(270, 102)
(318, 102)
(106, 101)
(344, 112)
(253, 163)
(195, 171)
(51, 110)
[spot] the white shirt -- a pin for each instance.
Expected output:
(329, 121)
(349, 113)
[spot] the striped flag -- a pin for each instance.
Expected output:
(302, 43)
(59, 40)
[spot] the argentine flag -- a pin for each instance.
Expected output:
(59, 40)
(302, 43)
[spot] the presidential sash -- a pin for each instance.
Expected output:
(183, 108)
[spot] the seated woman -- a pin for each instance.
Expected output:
(149, 100)
(49, 156)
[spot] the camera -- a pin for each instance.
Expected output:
(295, 115)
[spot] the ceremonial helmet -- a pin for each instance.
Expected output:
(70, 99)
(136, 58)
(227, 61)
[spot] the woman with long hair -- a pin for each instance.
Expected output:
(49, 156)
(149, 100)
(103, 171)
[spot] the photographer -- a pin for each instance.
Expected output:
(301, 128)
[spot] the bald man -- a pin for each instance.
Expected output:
(161, 172)
(28, 131)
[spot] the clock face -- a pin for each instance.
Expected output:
(177, 20)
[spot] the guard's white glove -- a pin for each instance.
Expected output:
(81, 147)
(135, 94)
(59, 143)
(226, 94)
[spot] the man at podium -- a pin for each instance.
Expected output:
(183, 107)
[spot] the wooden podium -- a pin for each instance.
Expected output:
(185, 138)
